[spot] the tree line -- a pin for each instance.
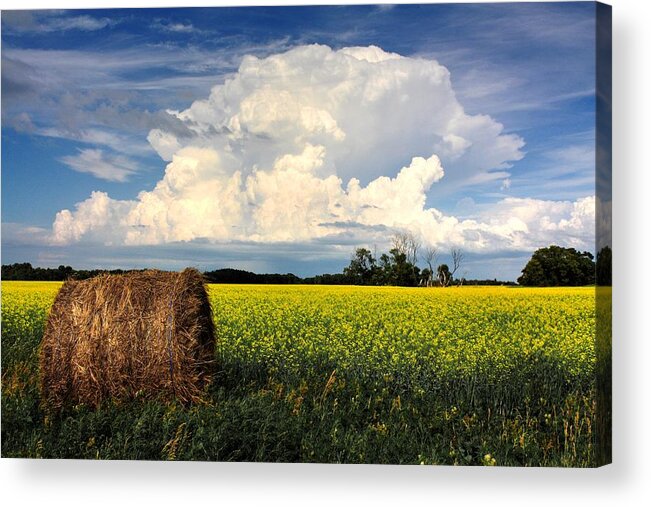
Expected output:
(25, 271)
(230, 275)
(550, 266)
(399, 265)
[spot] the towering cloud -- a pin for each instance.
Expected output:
(322, 144)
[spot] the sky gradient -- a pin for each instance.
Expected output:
(279, 139)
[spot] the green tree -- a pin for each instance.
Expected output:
(394, 268)
(444, 276)
(384, 272)
(557, 266)
(362, 267)
(401, 271)
(426, 277)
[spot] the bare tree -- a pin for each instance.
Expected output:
(430, 256)
(413, 248)
(457, 260)
(407, 243)
(399, 242)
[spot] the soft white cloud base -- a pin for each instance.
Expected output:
(295, 147)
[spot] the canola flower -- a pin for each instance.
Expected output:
(24, 311)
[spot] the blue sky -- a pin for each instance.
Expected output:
(488, 111)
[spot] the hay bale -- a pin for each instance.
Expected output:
(146, 334)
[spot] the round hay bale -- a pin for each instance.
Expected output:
(117, 337)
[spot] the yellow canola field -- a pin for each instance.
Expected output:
(420, 335)
(413, 335)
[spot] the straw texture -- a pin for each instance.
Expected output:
(145, 334)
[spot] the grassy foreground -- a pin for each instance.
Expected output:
(464, 376)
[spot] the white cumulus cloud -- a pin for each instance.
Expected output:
(371, 110)
(316, 144)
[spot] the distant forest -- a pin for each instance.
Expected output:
(26, 272)
(550, 266)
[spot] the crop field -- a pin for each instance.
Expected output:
(458, 376)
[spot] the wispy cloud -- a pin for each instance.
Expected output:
(110, 98)
(385, 7)
(563, 171)
(24, 235)
(113, 97)
(133, 68)
(84, 23)
(51, 21)
(116, 142)
(22, 123)
(174, 26)
(101, 165)
(496, 57)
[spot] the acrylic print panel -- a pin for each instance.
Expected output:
(397, 220)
